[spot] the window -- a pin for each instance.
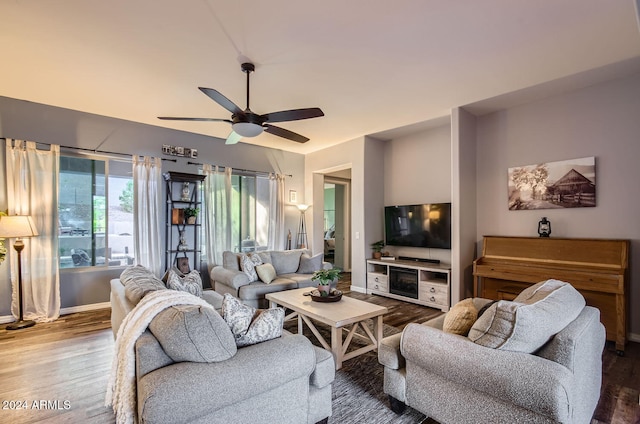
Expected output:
(250, 212)
(95, 209)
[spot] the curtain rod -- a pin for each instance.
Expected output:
(104, 152)
(164, 159)
(238, 169)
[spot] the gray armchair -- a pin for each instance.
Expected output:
(453, 380)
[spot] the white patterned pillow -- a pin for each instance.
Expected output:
(191, 282)
(248, 264)
(250, 325)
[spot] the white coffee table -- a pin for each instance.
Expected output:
(345, 315)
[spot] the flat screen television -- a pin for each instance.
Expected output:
(426, 225)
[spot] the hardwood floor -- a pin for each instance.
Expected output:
(57, 372)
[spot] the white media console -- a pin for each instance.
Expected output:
(418, 282)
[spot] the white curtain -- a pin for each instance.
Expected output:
(276, 212)
(147, 212)
(32, 189)
(217, 213)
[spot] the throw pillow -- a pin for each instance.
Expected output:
(485, 307)
(286, 261)
(460, 318)
(530, 320)
(134, 272)
(191, 282)
(266, 272)
(265, 257)
(192, 333)
(231, 260)
(310, 264)
(138, 281)
(248, 265)
(249, 325)
(165, 277)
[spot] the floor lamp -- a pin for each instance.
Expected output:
(18, 226)
(301, 242)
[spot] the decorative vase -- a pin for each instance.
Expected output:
(377, 255)
(324, 289)
(191, 220)
(183, 242)
(186, 195)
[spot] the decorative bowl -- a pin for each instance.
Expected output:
(334, 296)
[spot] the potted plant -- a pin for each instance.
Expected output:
(190, 215)
(377, 249)
(325, 277)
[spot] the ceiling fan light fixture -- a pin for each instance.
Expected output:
(247, 129)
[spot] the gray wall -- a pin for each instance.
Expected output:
(417, 169)
(364, 156)
(463, 246)
(51, 125)
(602, 121)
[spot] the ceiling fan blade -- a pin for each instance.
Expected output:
(221, 100)
(233, 138)
(281, 132)
(174, 118)
(294, 114)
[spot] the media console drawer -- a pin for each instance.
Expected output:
(434, 288)
(377, 281)
(434, 293)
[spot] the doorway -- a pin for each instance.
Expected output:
(337, 219)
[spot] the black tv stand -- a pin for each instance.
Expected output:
(426, 260)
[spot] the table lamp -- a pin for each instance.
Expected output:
(18, 226)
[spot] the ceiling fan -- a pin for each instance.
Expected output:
(245, 123)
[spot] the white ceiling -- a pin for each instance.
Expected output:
(372, 66)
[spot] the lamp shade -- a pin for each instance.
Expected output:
(303, 207)
(17, 226)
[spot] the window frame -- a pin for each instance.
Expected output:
(106, 160)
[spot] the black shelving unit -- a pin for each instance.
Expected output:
(185, 254)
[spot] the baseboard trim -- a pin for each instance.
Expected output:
(358, 289)
(633, 337)
(6, 319)
(85, 308)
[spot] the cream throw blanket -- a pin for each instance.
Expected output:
(121, 390)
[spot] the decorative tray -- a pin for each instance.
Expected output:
(334, 296)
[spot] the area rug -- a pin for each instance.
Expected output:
(357, 390)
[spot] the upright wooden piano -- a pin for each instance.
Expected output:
(597, 268)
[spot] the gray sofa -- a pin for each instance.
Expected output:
(451, 379)
(284, 380)
(294, 269)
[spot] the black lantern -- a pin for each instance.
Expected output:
(544, 227)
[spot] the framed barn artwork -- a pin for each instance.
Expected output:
(553, 185)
